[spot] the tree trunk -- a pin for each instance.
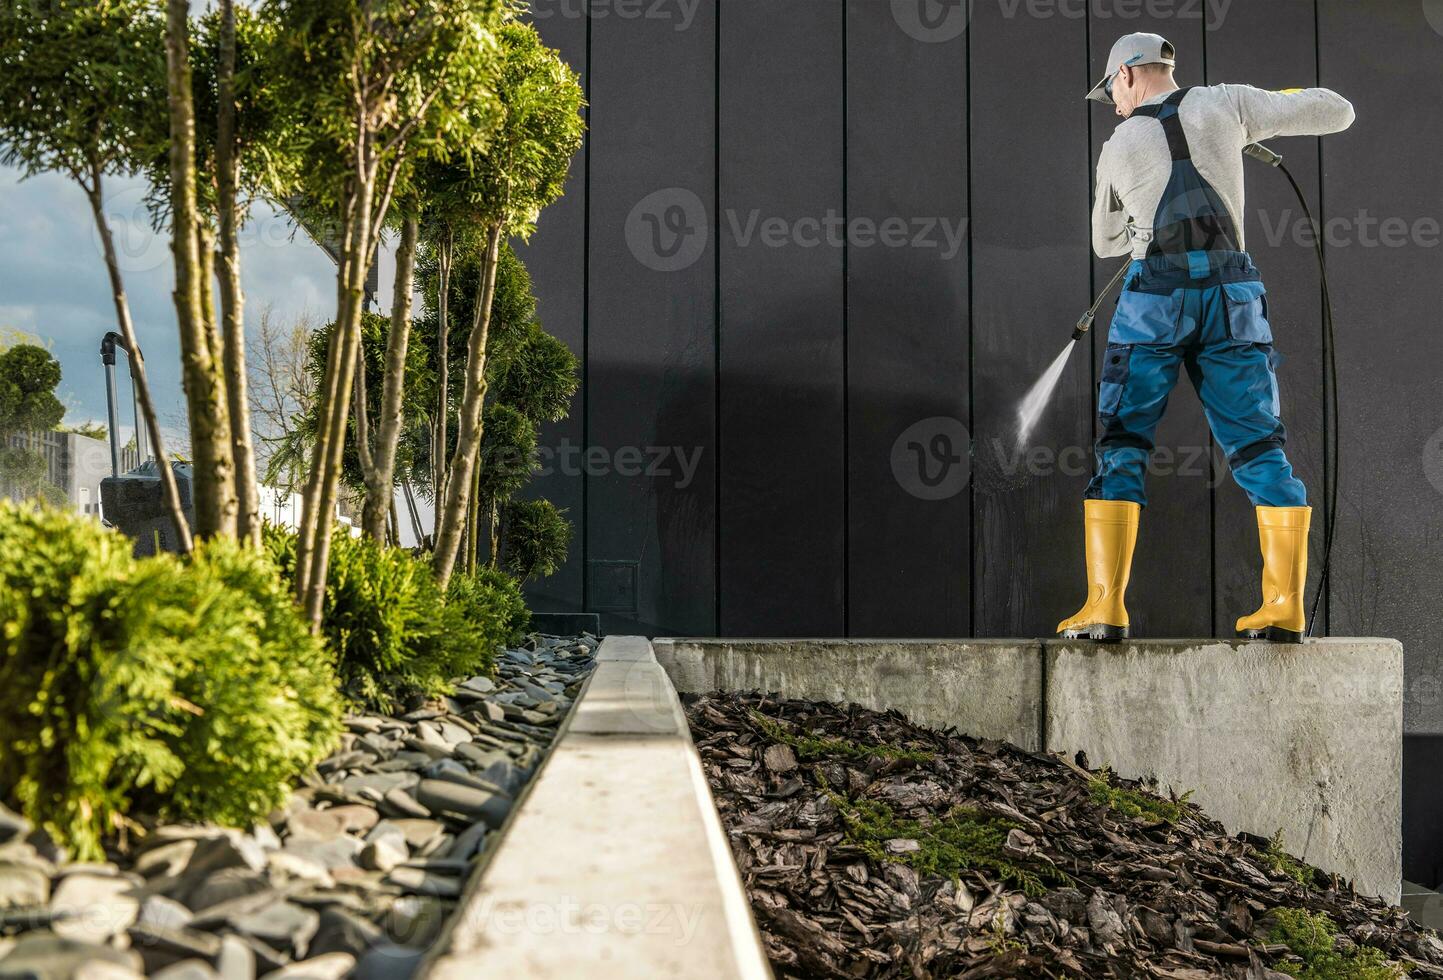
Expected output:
(232, 299)
(446, 255)
(495, 561)
(341, 371)
(213, 464)
(381, 474)
(169, 490)
(468, 438)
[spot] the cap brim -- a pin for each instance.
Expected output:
(1099, 92)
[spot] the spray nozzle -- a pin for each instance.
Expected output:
(1084, 325)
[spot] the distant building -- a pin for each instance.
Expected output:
(74, 463)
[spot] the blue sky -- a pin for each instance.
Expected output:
(53, 283)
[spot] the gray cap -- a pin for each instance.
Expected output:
(1133, 50)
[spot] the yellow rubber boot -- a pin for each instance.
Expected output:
(1111, 534)
(1283, 535)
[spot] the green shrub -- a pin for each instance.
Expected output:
(1312, 937)
(535, 538)
(186, 689)
(492, 599)
(384, 618)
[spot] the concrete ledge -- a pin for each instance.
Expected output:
(988, 688)
(1306, 739)
(615, 864)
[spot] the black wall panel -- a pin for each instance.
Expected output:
(651, 476)
(556, 257)
(1274, 46)
(1382, 182)
(906, 327)
(1031, 200)
(781, 346)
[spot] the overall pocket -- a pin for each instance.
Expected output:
(1247, 307)
(1147, 318)
(1116, 367)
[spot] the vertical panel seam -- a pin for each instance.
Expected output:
(1214, 470)
(716, 318)
(846, 349)
(1328, 353)
(586, 334)
(971, 625)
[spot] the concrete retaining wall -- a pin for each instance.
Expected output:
(614, 865)
(1303, 739)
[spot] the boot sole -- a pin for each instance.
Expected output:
(1099, 633)
(1275, 634)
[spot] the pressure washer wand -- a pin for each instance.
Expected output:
(1085, 324)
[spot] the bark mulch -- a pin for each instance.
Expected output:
(871, 847)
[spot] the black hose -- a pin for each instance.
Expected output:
(1330, 362)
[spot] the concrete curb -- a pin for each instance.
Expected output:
(1306, 739)
(614, 863)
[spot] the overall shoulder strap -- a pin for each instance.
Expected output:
(1166, 112)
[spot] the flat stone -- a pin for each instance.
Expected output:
(281, 924)
(468, 842)
(381, 782)
(355, 818)
(385, 852)
(340, 931)
(225, 885)
(332, 966)
(389, 962)
(444, 796)
(96, 907)
(417, 832)
(165, 913)
(338, 852)
(437, 846)
(12, 825)
(363, 723)
(264, 957)
(22, 885)
(186, 970)
(286, 866)
(46, 956)
(465, 777)
(480, 683)
(160, 946)
(237, 959)
(399, 803)
(314, 825)
(420, 882)
(436, 769)
(414, 920)
(452, 733)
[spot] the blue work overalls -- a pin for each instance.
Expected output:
(1198, 302)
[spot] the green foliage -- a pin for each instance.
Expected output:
(507, 454)
(384, 619)
(535, 538)
(965, 838)
(1135, 803)
(1283, 864)
(809, 746)
(187, 689)
(1312, 937)
(492, 600)
(80, 80)
(28, 406)
(538, 377)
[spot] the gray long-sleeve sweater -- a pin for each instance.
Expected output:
(1219, 120)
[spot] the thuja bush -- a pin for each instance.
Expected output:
(492, 599)
(185, 689)
(393, 634)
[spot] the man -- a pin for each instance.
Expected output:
(1170, 192)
